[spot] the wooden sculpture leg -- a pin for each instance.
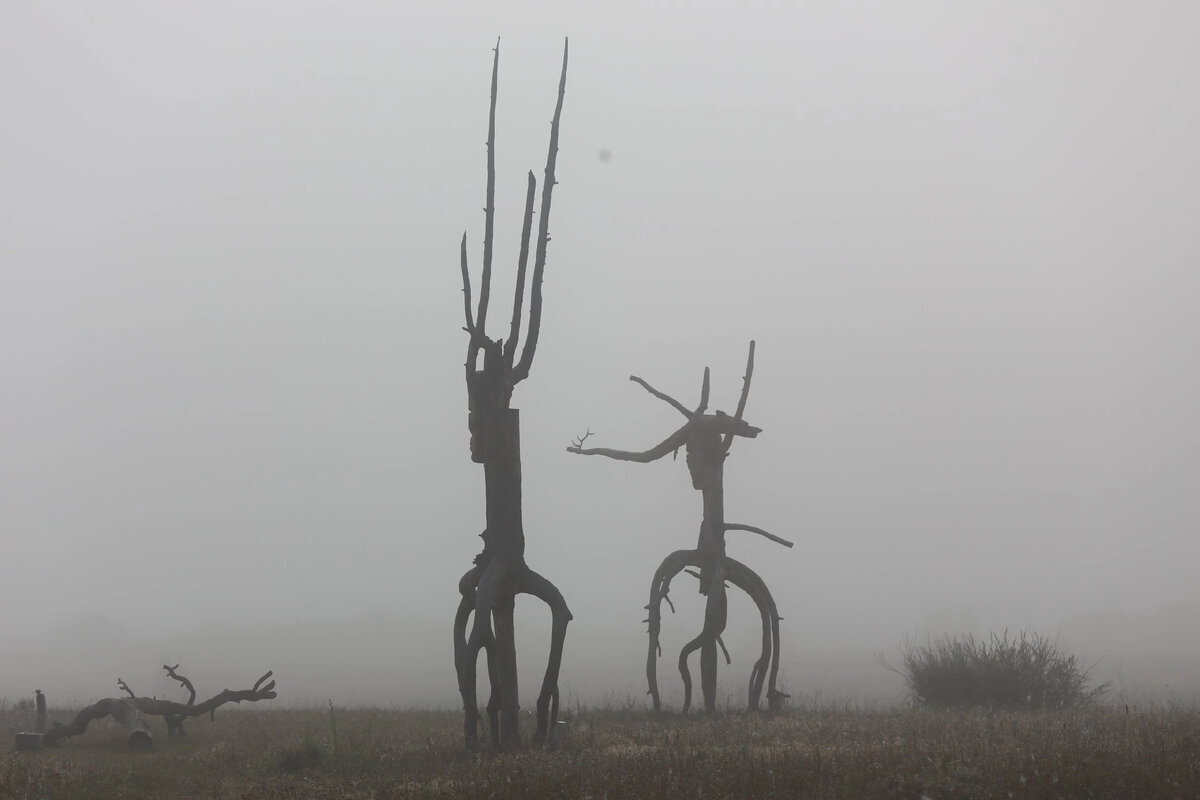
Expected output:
(506, 671)
(660, 587)
(715, 616)
(749, 582)
(560, 615)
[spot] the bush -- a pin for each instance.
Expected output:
(1025, 672)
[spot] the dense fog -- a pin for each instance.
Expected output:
(233, 424)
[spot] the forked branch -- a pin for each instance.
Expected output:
(668, 445)
(183, 681)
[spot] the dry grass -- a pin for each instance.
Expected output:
(828, 752)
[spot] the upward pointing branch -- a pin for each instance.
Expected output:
(700, 409)
(521, 371)
(741, 406)
(489, 211)
(514, 328)
(473, 342)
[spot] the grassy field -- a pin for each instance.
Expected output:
(825, 752)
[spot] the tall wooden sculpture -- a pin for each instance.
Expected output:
(707, 439)
(500, 573)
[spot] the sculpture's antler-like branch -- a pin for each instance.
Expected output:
(473, 343)
(183, 682)
(514, 328)
(700, 409)
(741, 406)
(666, 398)
(125, 687)
(577, 444)
(670, 444)
(733, 526)
(466, 279)
(521, 371)
(489, 210)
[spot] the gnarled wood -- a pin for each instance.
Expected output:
(484, 620)
(707, 438)
(132, 711)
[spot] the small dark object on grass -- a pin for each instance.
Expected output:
(29, 740)
(301, 757)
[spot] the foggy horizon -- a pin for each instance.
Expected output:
(235, 426)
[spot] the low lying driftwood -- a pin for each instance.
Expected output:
(132, 711)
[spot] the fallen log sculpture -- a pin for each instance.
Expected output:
(132, 711)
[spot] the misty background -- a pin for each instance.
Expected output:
(233, 421)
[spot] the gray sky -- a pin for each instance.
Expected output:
(962, 234)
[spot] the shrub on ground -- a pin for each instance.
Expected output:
(1028, 671)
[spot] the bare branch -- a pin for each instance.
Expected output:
(721, 642)
(700, 409)
(125, 687)
(666, 398)
(466, 279)
(514, 328)
(183, 682)
(669, 444)
(473, 343)
(489, 210)
(539, 260)
(577, 444)
(733, 526)
(741, 406)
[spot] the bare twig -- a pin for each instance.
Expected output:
(577, 444)
(700, 409)
(125, 687)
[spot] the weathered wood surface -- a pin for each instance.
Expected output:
(707, 438)
(131, 712)
(500, 572)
